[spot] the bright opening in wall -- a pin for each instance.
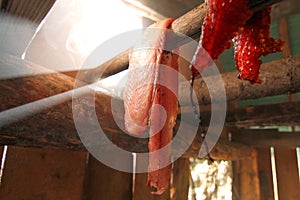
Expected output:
(72, 30)
(298, 161)
(274, 175)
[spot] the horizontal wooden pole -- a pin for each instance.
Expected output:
(188, 24)
(266, 138)
(278, 77)
(280, 114)
(55, 128)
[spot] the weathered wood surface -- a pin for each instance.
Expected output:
(267, 138)
(246, 180)
(284, 33)
(103, 182)
(188, 24)
(55, 128)
(181, 179)
(287, 173)
(31, 173)
(281, 114)
(279, 77)
(265, 173)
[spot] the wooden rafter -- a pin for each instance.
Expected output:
(267, 138)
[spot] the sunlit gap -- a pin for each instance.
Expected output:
(210, 180)
(32, 108)
(113, 85)
(298, 161)
(72, 31)
(3, 162)
(274, 175)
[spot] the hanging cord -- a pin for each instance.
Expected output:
(198, 116)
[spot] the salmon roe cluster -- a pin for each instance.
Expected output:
(252, 42)
(221, 24)
(250, 33)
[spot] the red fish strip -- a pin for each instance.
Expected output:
(165, 118)
(252, 42)
(221, 23)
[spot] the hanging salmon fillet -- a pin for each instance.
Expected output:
(148, 99)
(144, 63)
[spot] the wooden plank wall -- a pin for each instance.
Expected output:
(103, 182)
(265, 173)
(287, 173)
(286, 165)
(31, 173)
(35, 173)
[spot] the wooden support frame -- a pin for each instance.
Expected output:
(53, 126)
(267, 138)
(281, 114)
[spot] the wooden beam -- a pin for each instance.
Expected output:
(246, 178)
(188, 24)
(181, 179)
(287, 173)
(281, 114)
(267, 138)
(265, 173)
(55, 128)
(279, 77)
(24, 82)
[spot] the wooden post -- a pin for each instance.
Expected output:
(287, 173)
(236, 180)
(31, 173)
(181, 178)
(246, 175)
(265, 174)
(103, 182)
(1, 154)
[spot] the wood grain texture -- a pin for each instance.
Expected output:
(265, 173)
(287, 173)
(103, 182)
(32, 173)
(181, 177)
(246, 179)
(267, 138)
